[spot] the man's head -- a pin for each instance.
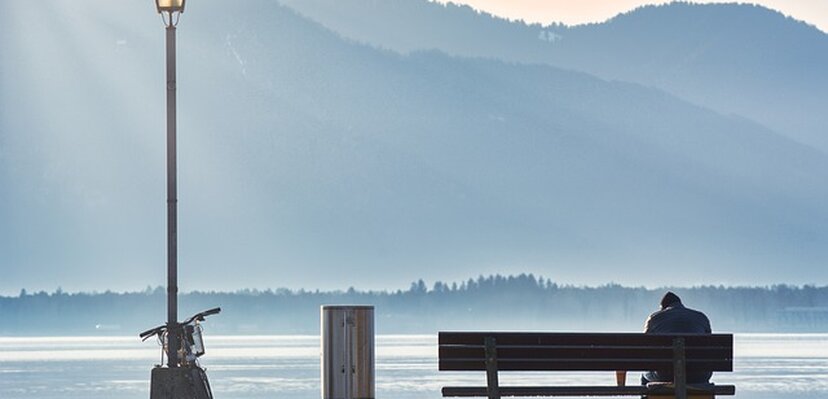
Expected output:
(669, 299)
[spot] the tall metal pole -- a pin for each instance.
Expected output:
(172, 207)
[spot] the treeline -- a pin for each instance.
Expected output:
(522, 302)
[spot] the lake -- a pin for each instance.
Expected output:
(766, 366)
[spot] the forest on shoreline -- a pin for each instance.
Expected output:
(520, 302)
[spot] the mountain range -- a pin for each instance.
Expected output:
(326, 155)
(737, 59)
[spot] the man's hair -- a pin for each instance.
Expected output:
(669, 299)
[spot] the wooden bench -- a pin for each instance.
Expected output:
(493, 352)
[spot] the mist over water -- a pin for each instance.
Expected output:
(765, 366)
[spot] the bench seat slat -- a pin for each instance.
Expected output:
(584, 346)
(669, 389)
(524, 338)
(584, 352)
(581, 365)
(633, 390)
(547, 391)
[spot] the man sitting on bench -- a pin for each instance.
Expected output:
(675, 318)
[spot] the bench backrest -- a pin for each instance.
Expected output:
(466, 351)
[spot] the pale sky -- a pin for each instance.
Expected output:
(571, 12)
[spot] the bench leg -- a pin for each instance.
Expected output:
(679, 368)
(492, 384)
(674, 397)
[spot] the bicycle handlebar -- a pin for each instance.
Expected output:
(152, 331)
(201, 315)
(160, 329)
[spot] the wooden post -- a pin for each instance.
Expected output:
(679, 368)
(493, 387)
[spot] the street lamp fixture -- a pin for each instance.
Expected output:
(170, 11)
(169, 6)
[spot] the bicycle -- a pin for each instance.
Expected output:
(185, 378)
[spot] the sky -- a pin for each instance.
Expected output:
(571, 12)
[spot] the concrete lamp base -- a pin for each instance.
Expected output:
(179, 383)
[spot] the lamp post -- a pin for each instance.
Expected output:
(171, 11)
(183, 377)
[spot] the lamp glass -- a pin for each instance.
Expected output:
(170, 5)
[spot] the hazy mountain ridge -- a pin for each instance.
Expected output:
(308, 158)
(539, 107)
(741, 59)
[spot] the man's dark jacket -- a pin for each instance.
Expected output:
(678, 319)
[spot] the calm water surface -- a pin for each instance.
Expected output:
(767, 366)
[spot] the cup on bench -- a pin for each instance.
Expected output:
(621, 378)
